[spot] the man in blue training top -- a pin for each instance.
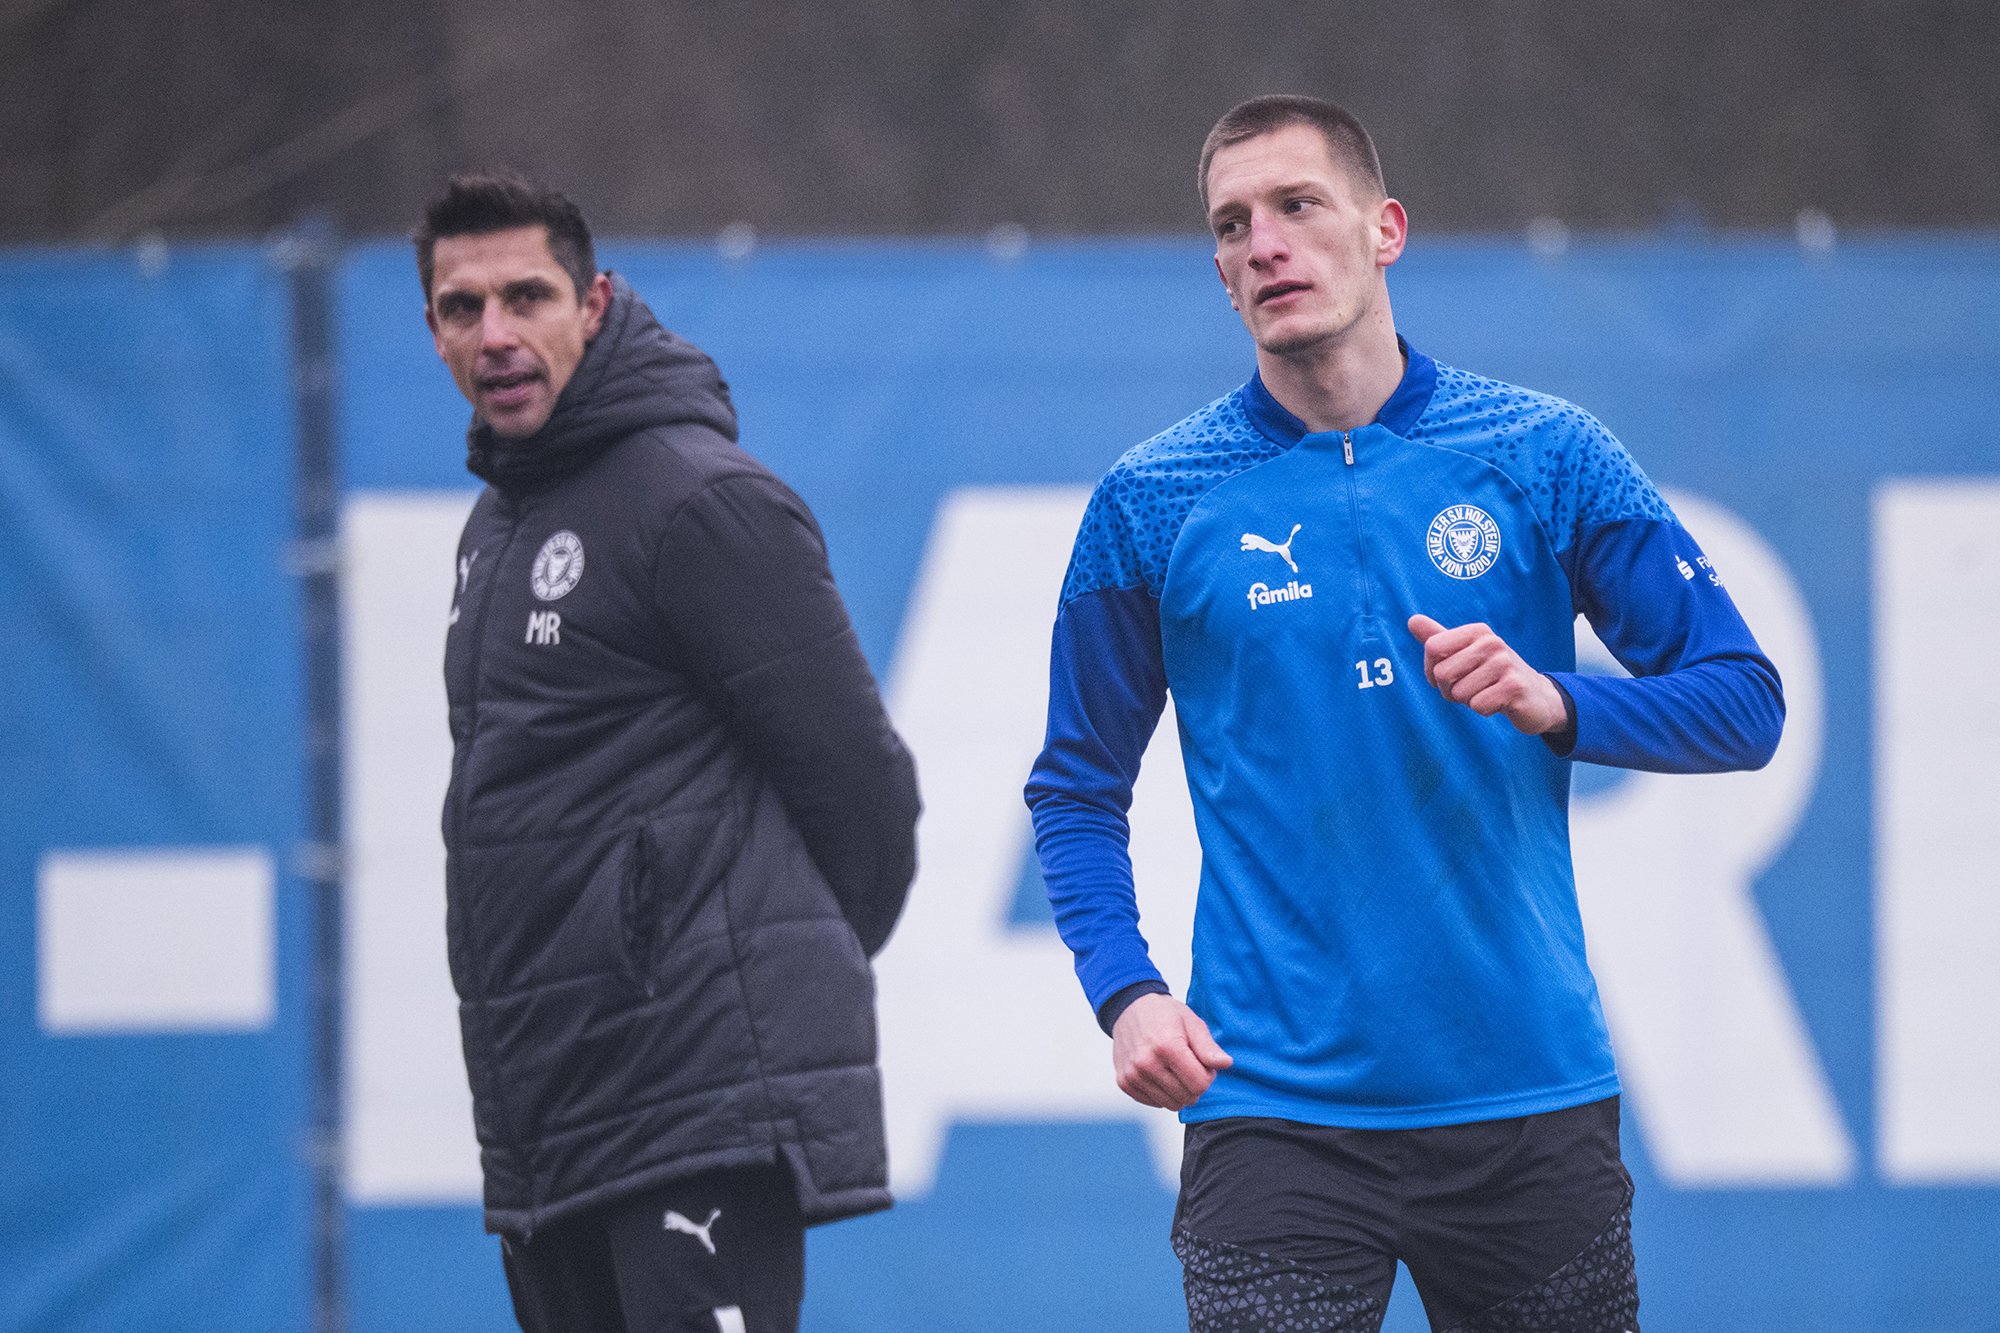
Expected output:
(1358, 576)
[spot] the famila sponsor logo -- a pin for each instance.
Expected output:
(1263, 595)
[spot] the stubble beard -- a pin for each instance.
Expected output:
(1300, 345)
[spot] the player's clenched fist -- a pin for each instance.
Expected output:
(1163, 1054)
(1474, 666)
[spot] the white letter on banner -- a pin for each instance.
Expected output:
(979, 1022)
(409, 1112)
(155, 940)
(1937, 830)
(1727, 1084)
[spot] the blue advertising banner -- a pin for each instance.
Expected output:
(153, 1075)
(1801, 967)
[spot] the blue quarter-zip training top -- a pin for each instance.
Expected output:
(1387, 932)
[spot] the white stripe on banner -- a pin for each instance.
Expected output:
(155, 939)
(409, 1112)
(1937, 829)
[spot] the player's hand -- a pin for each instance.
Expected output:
(1472, 665)
(1163, 1053)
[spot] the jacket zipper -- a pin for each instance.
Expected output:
(1354, 508)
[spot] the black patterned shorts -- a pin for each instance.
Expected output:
(1507, 1226)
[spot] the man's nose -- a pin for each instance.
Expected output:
(1267, 238)
(496, 329)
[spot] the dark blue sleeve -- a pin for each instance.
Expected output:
(1107, 688)
(1703, 698)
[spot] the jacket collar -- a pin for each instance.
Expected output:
(1399, 414)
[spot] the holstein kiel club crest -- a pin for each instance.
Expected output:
(558, 566)
(1463, 542)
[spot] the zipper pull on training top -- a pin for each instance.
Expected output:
(1347, 446)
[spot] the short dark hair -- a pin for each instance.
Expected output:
(1347, 141)
(476, 203)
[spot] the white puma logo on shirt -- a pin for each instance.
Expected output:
(1252, 542)
(675, 1222)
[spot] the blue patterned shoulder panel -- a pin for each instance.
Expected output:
(1137, 511)
(1573, 470)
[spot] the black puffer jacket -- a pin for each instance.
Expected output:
(678, 818)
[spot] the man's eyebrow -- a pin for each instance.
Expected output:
(1305, 184)
(527, 287)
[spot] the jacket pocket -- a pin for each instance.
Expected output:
(673, 893)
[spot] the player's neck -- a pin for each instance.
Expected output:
(1339, 384)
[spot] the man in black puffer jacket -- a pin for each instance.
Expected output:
(679, 821)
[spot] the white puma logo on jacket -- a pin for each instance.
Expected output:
(1252, 542)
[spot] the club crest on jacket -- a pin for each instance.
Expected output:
(558, 566)
(1463, 541)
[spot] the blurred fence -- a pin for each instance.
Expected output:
(1801, 966)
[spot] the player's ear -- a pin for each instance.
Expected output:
(1392, 229)
(1225, 286)
(596, 300)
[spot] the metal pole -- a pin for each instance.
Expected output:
(311, 255)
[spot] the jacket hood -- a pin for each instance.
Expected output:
(634, 376)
